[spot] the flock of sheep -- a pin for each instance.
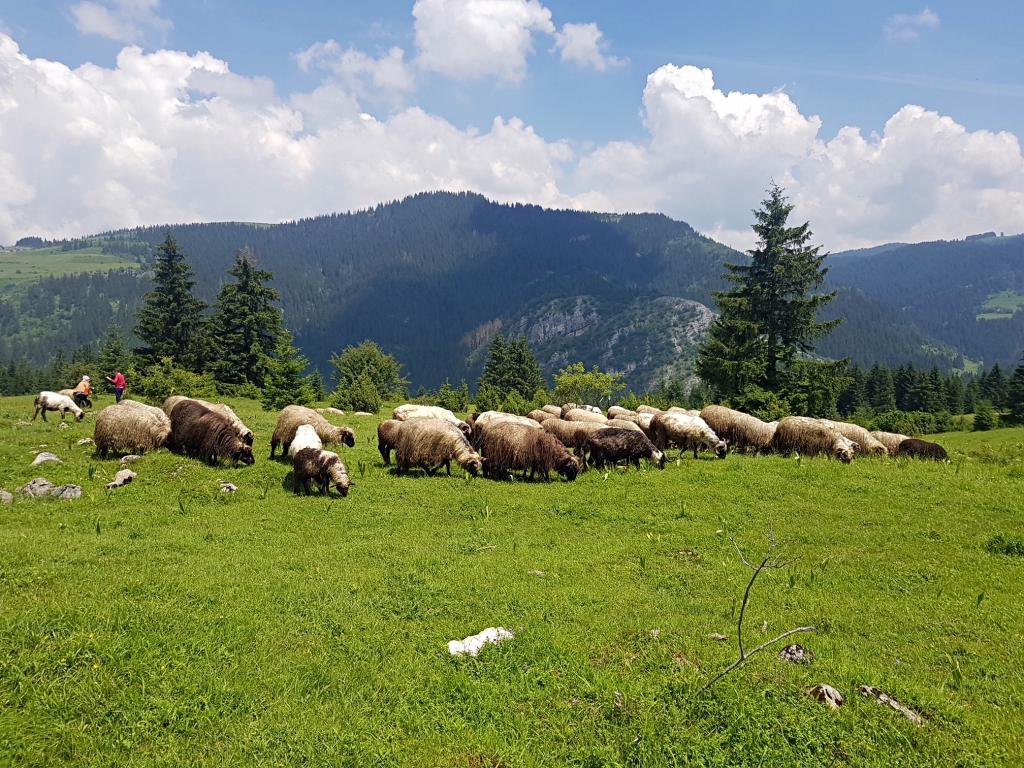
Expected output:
(562, 439)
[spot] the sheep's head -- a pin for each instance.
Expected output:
(568, 467)
(658, 458)
(80, 415)
(340, 479)
(721, 449)
(466, 429)
(347, 436)
(844, 451)
(474, 466)
(243, 455)
(248, 438)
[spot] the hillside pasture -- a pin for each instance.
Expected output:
(167, 623)
(23, 266)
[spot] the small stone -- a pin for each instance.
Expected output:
(85, 441)
(44, 457)
(362, 413)
(62, 425)
(35, 488)
(131, 458)
(6, 497)
(67, 492)
(825, 694)
(123, 477)
(335, 411)
(718, 637)
(538, 574)
(796, 653)
(226, 487)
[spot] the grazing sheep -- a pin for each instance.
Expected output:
(412, 411)
(387, 438)
(572, 434)
(208, 435)
(554, 410)
(921, 449)
(685, 432)
(643, 420)
(862, 439)
(574, 407)
(648, 409)
(53, 401)
(810, 437)
(615, 445)
(618, 412)
(325, 467)
(540, 416)
(434, 443)
(243, 431)
(581, 414)
(741, 431)
(305, 437)
(687, 411)
(624, 424)
(130, 427)
(509, 447)
(292, 416)
(484, 421)
(891, 440)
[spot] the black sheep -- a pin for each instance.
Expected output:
(615, 445)
(208, 435)
(912, 448)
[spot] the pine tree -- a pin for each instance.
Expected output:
(1015, 394)
(854, 395)
(511, 367)
(954, 394)
(383, 371)
(114, 355)
(993, 386)
(317, 386)
(985, 417)
(170, 322)
(769, 318)
(246, 323)
(881, 393)
(284, 382)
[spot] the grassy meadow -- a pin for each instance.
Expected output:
(24, 266)
(166, 623)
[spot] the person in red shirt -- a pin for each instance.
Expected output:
(119, 383)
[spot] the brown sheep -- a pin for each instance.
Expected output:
(325, 467)
(243, 431)
(891, 440)
(810, 437)
(208, 435)
(292, 416)
(554, 410)
(617, 445)
(862, 439)
(624, 424)
(509, 447)
(580, 414)
(686, 432)
(540, 416)
(387, 438)
(414, 411)
(484, 421)
(130, 427)
(921, 449)
(433, 443)
(572, 434)
(741, 431)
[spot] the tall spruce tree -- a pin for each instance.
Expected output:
(246, 324)
(114, 355)
(284, 382)
(511, 367)
(770, 316)
(170, 322)
(1015, 394)
(880, 390)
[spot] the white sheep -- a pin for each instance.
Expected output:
(305, 437)
(685, 431)
(54, 401)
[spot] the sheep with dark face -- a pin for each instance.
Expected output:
(292, 416)
(810, 437)
(53, 401)
(433, 443)
(324, 467)
(243, 431)
(387, 438)
(741, 431)
(208, 435)
(913, 448)
(130, 427)
(414, 411)
(510, 447)
(891, 440)
(686, 433)
(615, 445)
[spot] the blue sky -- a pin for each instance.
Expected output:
(606, 125)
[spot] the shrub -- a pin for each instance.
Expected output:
(515, 403)
(362, 395)
(160, 381)
(488, 399)
(455, 400)
(1005, 545)
(985, 417)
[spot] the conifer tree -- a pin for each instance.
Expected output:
(881, 393)
(170, 322)
(769, 318)
(511, 367)
(993, 386)
(985, 417)
(1015, 394)
(246, 323)
(114, 355)
(284, 381)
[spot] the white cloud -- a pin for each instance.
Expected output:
(127, 21)
(584, 45)
(903, 27)
(384, 79)
(169, 136)
(475, 39)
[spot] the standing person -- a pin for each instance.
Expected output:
(82, 392)
(119, 383)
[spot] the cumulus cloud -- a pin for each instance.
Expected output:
(387, 78)
(585, 46)
(126, 21)
(169, 137)
(903, 27)
(475, 39)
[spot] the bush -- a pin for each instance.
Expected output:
(488, 399)
(1005, 545)
(362, 395)
(575, 384)
(912, 422)
(455, 400)
(160, 381)
(516, 403)
(985, 417)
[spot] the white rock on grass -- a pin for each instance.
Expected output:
(826, 694)
(885, 699)
(362, 413)
(44, 457)
(123, 477)
(85, 441)
(226, 487)
(473, 644)
(67, 492)
(35, 488)
(335, 411)
(6, 497)
(131, 458)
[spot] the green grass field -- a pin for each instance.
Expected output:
(1001, 306)
(165, 623)
(25, 266)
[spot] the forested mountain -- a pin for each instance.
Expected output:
(433, 277)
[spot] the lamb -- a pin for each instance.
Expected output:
(208, 435)
(741, 431)
(624, 424)
(811, 437)
(617, 445)
(862, 439)
(412, 411)
(130, 427)
(53, 401)
(510, 447)
(325, 467)
(572, 434)
(292, 416)
(387, 438)
(432, 443)
(580, 414)
(891, 440)
(243, 431)
(305, 437)
(921, 449)
(540, 416)
(686, 431)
